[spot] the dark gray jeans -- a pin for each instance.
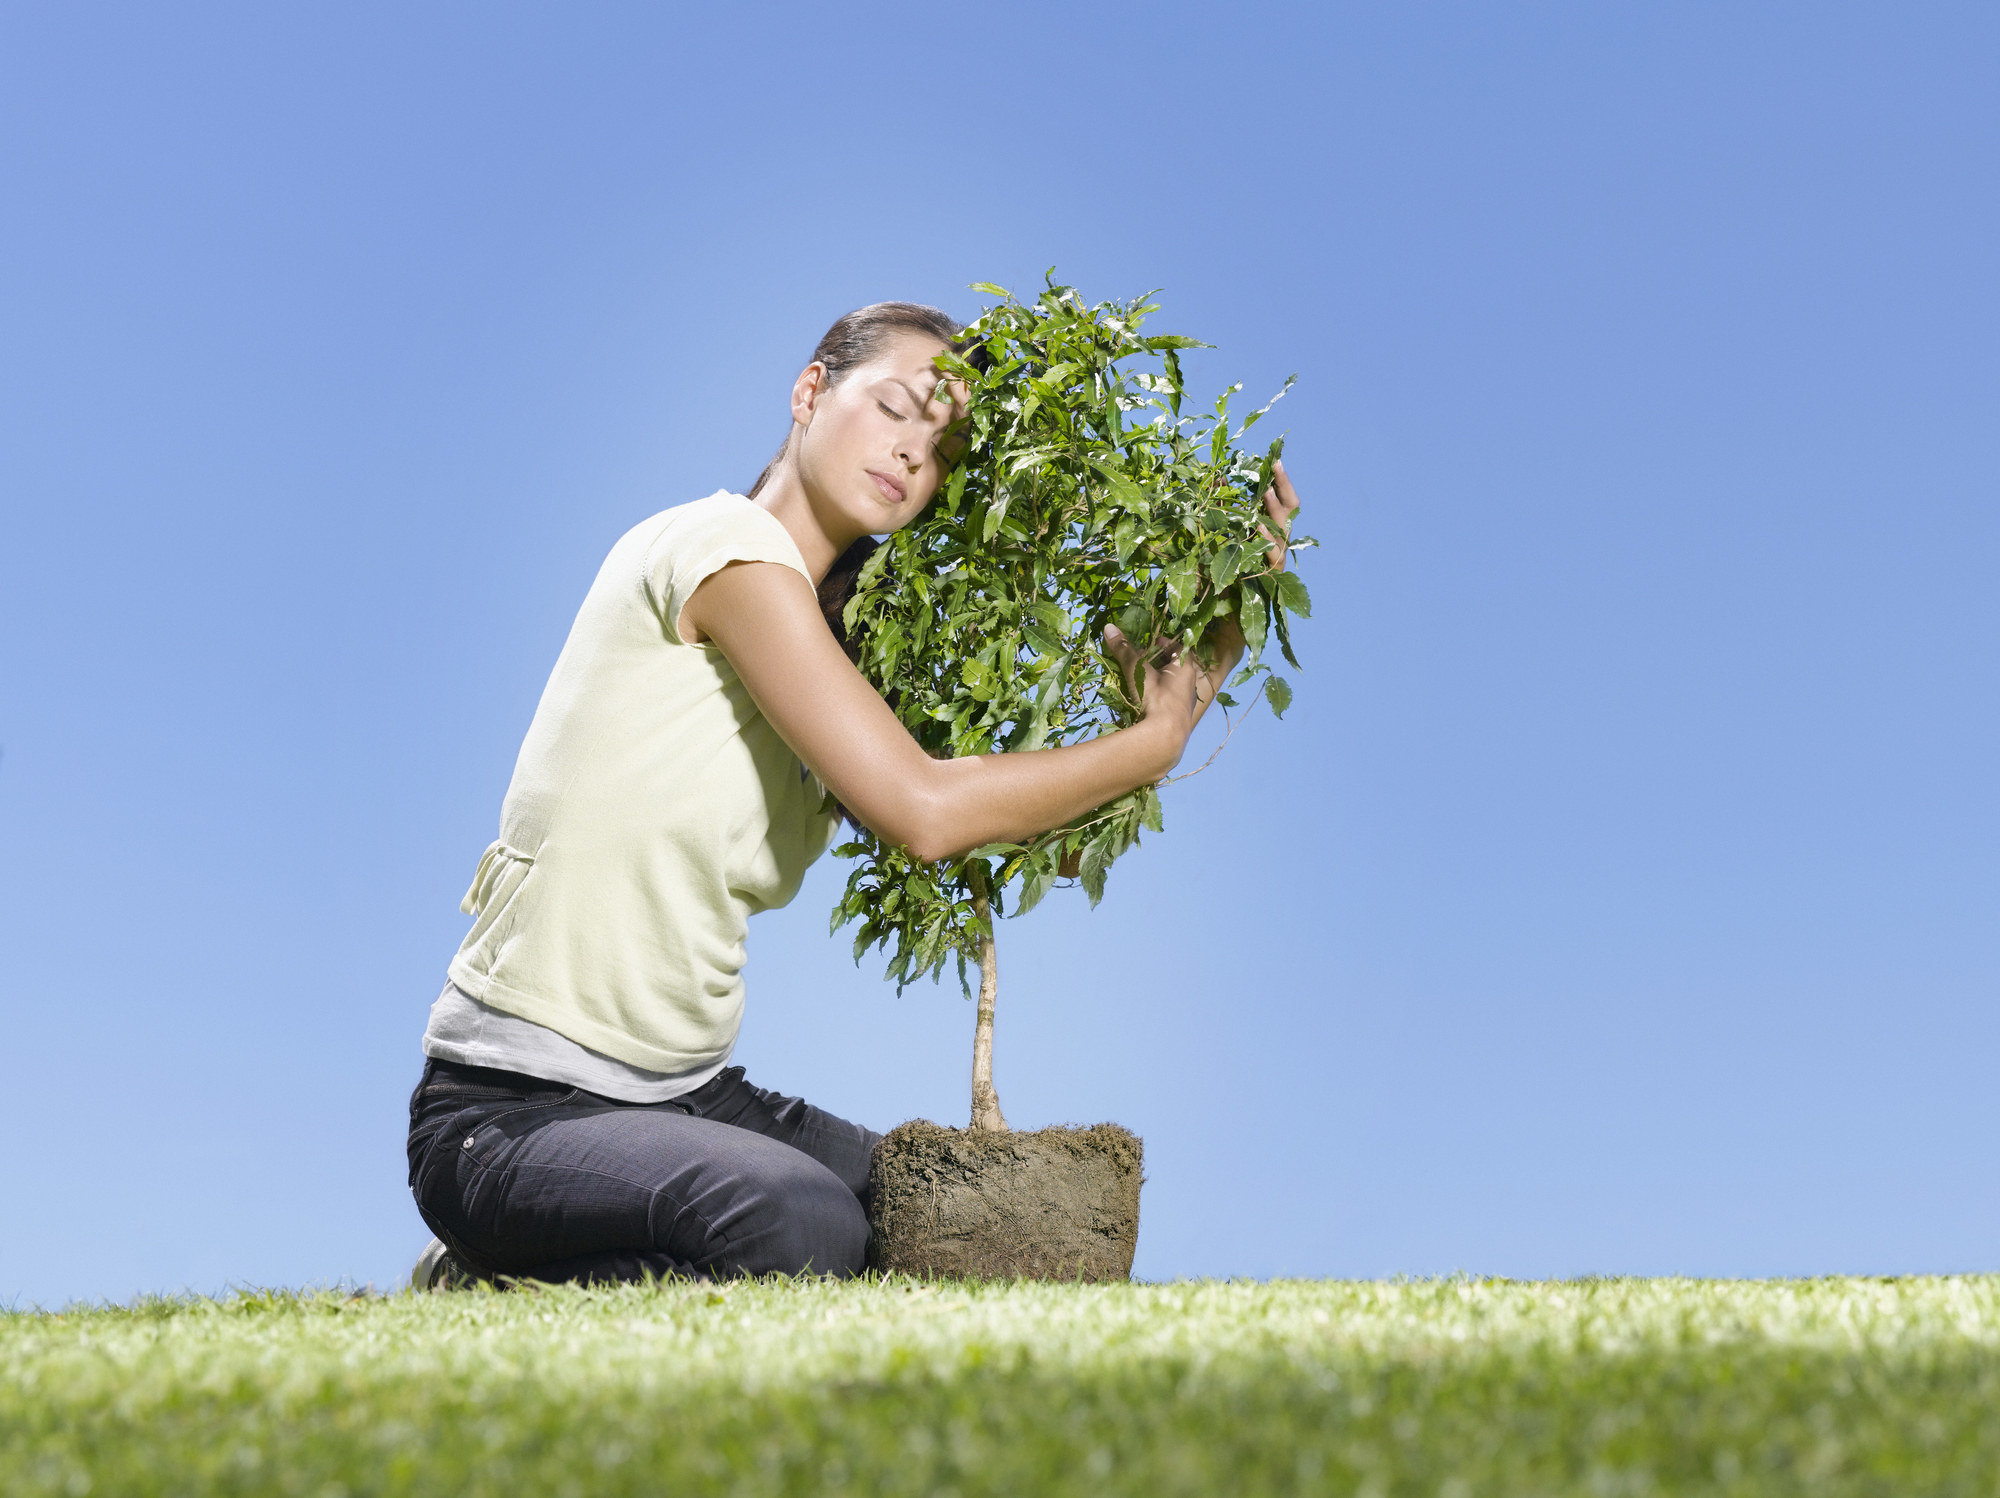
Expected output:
(545, 1181)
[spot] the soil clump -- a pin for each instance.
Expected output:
(1058, 1203)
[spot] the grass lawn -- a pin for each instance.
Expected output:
(1453, 1387)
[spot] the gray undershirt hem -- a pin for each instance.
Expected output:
(474, 1034)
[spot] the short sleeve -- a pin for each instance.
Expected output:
(702, 538)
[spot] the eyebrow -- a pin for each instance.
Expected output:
(921, 400)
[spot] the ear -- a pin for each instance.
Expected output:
(806, 392)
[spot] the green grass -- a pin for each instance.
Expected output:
(1453, 1387)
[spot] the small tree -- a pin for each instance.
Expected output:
(1084, 498)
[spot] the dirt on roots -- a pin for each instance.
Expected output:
(1060, 1203)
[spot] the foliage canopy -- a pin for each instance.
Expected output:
(1084, 497)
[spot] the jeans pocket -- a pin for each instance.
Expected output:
(480, 1132)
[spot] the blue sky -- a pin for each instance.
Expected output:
(1619, 895)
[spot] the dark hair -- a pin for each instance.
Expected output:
(858, 337)
(837, 587)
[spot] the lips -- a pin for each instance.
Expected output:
(891, 486)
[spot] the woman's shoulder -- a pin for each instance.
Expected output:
(682, 547)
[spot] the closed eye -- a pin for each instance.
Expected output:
(889, 410)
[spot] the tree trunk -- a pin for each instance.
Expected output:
(985, 1101)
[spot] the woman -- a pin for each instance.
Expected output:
(577, 1118)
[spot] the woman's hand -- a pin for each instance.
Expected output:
(1177, 688)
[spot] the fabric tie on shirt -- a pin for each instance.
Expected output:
(494, 866)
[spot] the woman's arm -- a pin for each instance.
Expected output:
(766, 620)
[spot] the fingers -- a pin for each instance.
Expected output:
(1161, 652)
(1164, 669)
(1281, 502)
(1286, 496)
(1130, 663)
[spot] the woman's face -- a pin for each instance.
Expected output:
(870, 456)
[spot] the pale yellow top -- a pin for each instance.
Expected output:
(652, 811)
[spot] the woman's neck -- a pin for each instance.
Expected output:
(785, 497)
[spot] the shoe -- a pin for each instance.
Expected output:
(438, 1270)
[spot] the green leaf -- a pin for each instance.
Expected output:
(1258, 415)
(1253, 616)
(995, 513)
(1271, 456)
(1040, 879)
(1226, 565)
(1033, 731)
(1096, 862)
(1044, 642)
(1293, 595)
(1150, 814)
(1053, 619)
(1279, 692)
(1124, 491)
(1285, 638)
